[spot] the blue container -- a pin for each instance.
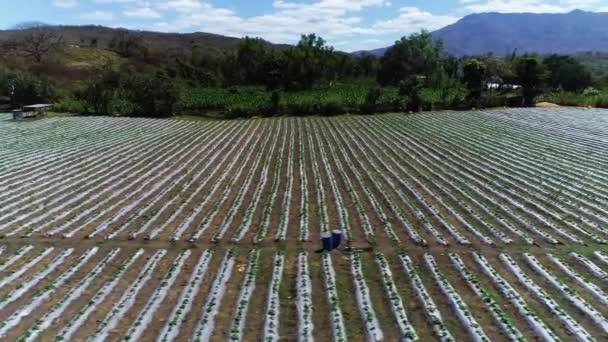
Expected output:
(327, 242)
(336, 237)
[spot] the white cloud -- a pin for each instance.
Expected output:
(183, 6)
(98, 16)
(592, 5)
(581, 3)
(329, 18)
(142, 12)
(65, 3)
(339, 21)
(531, 6)
(328, 6)
(413, 19)
(114, 1)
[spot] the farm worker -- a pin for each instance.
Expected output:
(327, 243)
(336, 237)
(330, 240)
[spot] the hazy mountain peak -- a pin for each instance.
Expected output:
(544, 33)
(29, 24)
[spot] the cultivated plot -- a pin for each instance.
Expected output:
(483, 225)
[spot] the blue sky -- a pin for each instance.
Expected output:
(347, 24)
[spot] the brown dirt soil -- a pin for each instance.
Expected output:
(547, 105)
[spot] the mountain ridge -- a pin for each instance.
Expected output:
(503, 33)
(101, 36)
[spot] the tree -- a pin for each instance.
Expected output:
(474, 76)
(410, 89)
(274, 66)
(531, 76)
(341, 66)
(307, 63)
(251, 59)
(153, 95)
(22, 88)
(566, 73)
(367, 65)
(451, 66)
(500, 70)
(228, 70)
(128, 92)
(603, 81)
(371, 100)
(98, 92)
(199, 68)
(129, 45)
(418, 54)
(260, 64)
(36, 43)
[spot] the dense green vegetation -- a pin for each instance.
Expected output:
(589, 98)
(259, 79)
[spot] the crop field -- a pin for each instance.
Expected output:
(481, 225)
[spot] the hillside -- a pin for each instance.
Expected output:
(100, 36)
(503, 33)
(83, 47)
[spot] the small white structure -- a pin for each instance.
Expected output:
(495, 86)
(31, 111)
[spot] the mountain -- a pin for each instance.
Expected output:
(376, 52)
(503, 33)
(80, 48)
(29, 24)
(84, 35)
(100, 36)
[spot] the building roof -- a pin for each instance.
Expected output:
(38, 106)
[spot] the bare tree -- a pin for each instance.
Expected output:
(35, 43)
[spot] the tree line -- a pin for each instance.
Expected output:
(417, 71)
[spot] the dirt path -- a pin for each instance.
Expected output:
(384, 246)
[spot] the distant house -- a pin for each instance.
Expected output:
(496, 86)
